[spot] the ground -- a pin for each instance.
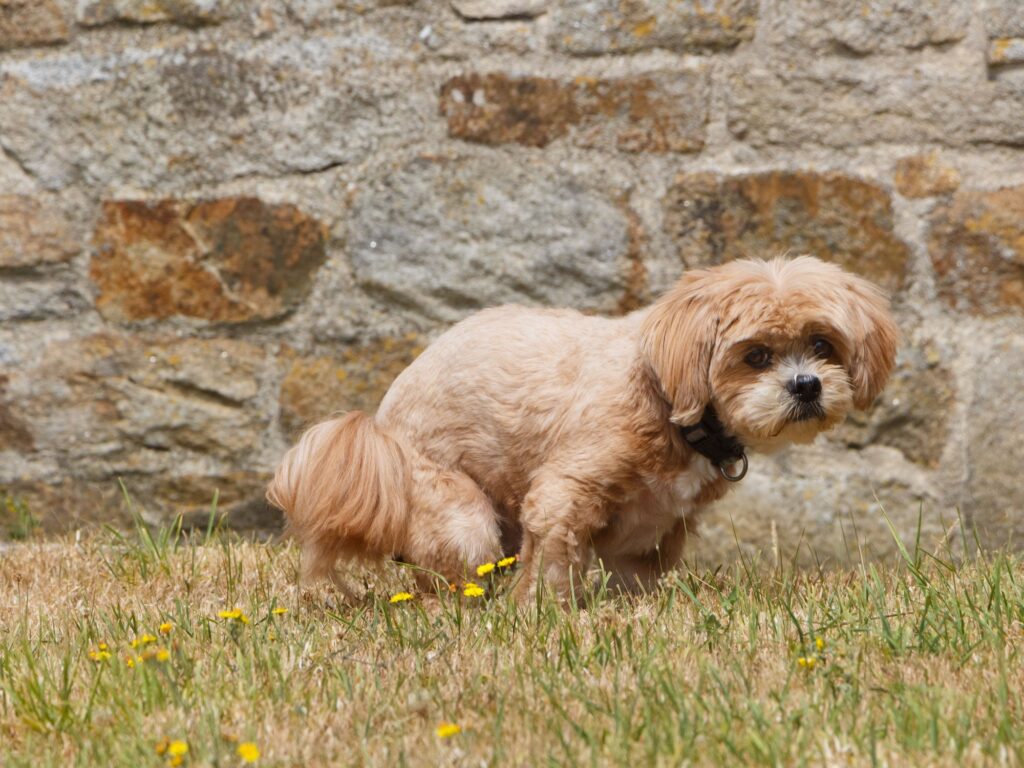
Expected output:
(157, 648)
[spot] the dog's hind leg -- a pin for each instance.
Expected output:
(320, 561)
(453, 527)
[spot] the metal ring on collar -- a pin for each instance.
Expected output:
(742, 473)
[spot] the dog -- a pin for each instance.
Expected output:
(563, 436)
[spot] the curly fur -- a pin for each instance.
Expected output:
(554, 433)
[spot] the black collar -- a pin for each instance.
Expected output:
(708, 437)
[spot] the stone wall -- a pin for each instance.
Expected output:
(222, 220)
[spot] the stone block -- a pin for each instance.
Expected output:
(1005, 51)
(1002, 18)
(837, 218)
(837, 102)
(913, 413)
(924, 175)
(314, 388)
(499, 9)
(184, 114)
(863, 27)
(826, 507)
(189, 13)
(602, 27)
(442, 237)
(229, 260)
(656, 112)
(995, 451)
(28, 298)
(25, 23)
(976, 244)
(33, 233)
(108, 405)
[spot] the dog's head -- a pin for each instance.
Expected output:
(782, 349)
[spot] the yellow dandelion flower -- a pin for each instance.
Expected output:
(235, 614)
(248, 751)
(99, 655)
(446, 730)
(483, 570)
(166, 627)
(102, 647)
(400, 597)
(163, 654)
(819, 643)
(505, 562)
(143, 640)
(176, 761)
(472, 590)
(807, 662)
(177, 747)
(279, 611)
(129, 661)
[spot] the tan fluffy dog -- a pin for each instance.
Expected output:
(562, 434)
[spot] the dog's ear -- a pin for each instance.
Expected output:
(873, 342)
(678, 341)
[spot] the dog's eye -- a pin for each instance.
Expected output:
(759, 357)
(821, 348)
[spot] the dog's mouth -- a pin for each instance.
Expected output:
(807, 411)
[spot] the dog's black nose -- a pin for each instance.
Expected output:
(805, 387)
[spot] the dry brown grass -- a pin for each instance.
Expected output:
(920, 665)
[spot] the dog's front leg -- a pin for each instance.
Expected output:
(641, 572)
(559, 517)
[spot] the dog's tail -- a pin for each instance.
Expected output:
(344, 487)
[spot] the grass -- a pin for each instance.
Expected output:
(914, 663)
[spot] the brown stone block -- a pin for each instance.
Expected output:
(924, 176)
(316, 387)
(230, 260)
(834, 217)
(976, 244)
(33, 233)
(25, 23)
(657, 112)
(498, 109)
